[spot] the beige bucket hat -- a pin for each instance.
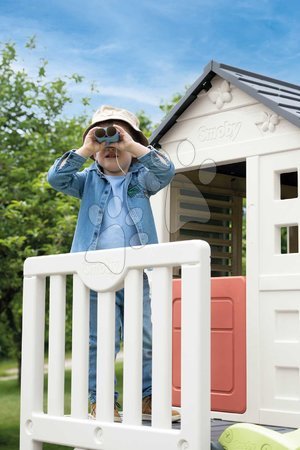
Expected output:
(107, 112)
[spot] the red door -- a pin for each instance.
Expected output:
(228, 343)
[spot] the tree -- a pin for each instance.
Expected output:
(167, 105)
(146, 124)
(35, 220)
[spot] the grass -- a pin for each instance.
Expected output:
(9, 415)
(10, 409)
(6, 365)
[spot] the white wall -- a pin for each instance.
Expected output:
(212, 131)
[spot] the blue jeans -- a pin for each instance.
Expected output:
(147, 339)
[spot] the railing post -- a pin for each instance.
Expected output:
(80, 349)
(195, 345)
(32, 375)
(105, 356)
(162, 347)
(133, 338)
(56, 353)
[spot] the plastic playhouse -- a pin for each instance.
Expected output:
(235, 141)
(226, 330)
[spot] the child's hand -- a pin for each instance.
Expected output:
(125, 142)
(128, 144)
(90, 145)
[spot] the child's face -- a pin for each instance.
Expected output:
(113, 161)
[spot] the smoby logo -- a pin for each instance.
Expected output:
(227, 130)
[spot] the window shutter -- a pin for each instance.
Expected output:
(213, 213)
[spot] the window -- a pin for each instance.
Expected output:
(289, 239)
(288, 184)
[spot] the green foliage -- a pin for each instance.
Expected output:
(167, 105)
(6, 342)
(145, 123)
(35, 220)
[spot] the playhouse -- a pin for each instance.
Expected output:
(226, 316)
(235, 141)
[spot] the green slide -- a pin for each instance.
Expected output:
(245, 436)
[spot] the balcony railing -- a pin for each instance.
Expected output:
(106, 271)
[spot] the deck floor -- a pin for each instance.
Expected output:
(218, 426)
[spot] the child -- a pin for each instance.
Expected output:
(115, 212)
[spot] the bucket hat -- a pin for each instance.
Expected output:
(107, 112)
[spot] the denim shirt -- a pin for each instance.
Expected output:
(146, 177)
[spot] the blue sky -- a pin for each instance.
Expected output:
(142, 52)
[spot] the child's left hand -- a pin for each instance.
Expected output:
(128, 144)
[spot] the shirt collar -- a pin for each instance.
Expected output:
(134, 167)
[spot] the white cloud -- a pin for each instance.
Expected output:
(142, 53)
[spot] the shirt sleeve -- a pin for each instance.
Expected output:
(64, 174)
(159, 170)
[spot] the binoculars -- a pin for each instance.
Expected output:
(109, 134)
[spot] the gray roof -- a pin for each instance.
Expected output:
(281, 97)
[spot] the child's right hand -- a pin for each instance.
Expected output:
(90, 145)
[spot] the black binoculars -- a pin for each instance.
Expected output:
(109, 134)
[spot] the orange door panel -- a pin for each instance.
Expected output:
(228, 343)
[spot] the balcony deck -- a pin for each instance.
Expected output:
(218, 426)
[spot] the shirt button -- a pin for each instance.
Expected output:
(105, 192)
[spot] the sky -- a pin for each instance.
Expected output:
(140, 53)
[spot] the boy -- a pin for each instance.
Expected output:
(115, 212)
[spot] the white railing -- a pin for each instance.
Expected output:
(106, 271)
